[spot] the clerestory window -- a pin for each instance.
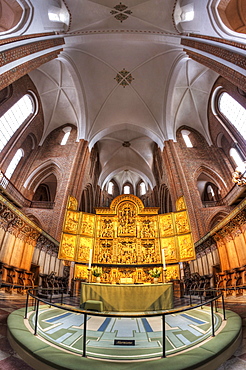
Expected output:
(185, 135)
(67, 131)
(142, 188)
(234, 112)
(14, 118)
(237, 159)
(126, 189)
(14, 163)
(110, 187)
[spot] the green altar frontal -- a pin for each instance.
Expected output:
(129, 298)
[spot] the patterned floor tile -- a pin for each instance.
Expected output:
(9, 360)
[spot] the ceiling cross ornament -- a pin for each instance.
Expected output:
(121, 13)
(124, 78)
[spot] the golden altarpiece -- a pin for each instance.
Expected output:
(126, 240)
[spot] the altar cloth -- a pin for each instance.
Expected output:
(129, 298)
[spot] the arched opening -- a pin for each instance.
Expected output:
(110, 187)
(209, 191)
(165, 200)
(142, 188)
(233, 14)
(128, 188)
(10, 14)
(46, 190)
(86, 202)
(216, 219)
(42, 194)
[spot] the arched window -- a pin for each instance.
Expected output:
(142, 188)
(237, 159)
(42, 194)
(211, 193)
(67, 131)
(126, 189)
(110, 187)
(46, 190)
(61, 15)
(187, 12)
(13, 164)
(185, 135)
(14, 118)
(234, 112)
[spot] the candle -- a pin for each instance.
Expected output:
(90, 259)
(163, 259)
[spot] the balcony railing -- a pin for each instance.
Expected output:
(14, 195)
(211, 203)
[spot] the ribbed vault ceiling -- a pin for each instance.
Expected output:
(124, 77)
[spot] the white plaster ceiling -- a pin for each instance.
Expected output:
(167, 89)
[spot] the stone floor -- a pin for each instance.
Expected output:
(9, 360)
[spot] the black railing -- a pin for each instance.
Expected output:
(162, 314)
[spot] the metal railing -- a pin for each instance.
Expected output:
(212, 302)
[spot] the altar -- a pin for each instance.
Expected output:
(129, 298)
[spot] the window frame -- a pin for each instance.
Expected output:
(22, 126)
(222, 115)
(13, 163)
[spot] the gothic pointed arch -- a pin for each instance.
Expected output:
(87, 199)
(35, 220)
(42, 182)
(10, 14)
(215, 219)
(166, 205)
(209, 180)
(233, 14)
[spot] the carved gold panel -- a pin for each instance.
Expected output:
(80, 272)
(104, 251)
(173, 272)
(127, 233)
(126, 251)
(87, 224)
(71, 223)
(67, 247)
(171, 249)
(181, 222)
(186, 247)
(83, 250)
(72, 203)
(166, 225)
(106, 227)
(150, 251)
(127, 225)
(147, 227)
(180, 204)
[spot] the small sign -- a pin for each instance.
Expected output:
(124, 342)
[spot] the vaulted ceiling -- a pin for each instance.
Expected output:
(124, 80)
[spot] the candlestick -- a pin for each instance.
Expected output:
(163, 259)
(90, 259)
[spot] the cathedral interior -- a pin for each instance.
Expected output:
(122, 144)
